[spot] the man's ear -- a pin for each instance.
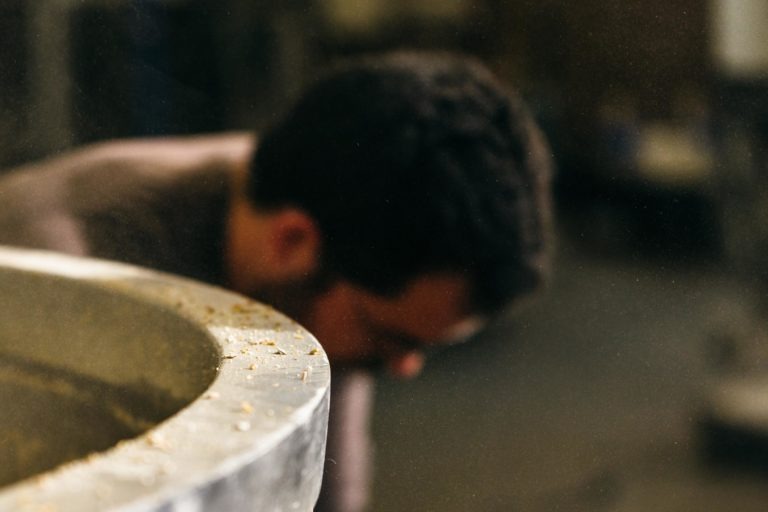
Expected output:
(294, 244)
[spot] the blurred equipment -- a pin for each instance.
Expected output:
(735, 420)
(739, 35)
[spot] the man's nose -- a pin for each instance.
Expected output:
(406, 365)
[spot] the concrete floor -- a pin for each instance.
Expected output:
(585, 400)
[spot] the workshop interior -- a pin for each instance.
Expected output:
(638, 378)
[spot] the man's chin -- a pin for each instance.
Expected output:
(376, 366)
(404, 367)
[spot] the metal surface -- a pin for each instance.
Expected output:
(182, 396)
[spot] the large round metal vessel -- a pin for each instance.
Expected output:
(131, 390)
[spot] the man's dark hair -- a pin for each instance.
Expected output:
(411, 163)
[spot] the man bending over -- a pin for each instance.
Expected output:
(400, 204)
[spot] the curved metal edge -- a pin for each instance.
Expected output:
(255, 440)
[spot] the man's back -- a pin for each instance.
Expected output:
(154, 202)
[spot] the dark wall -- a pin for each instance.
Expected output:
(141, 68)
(582, 53)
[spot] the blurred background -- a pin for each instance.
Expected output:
(597, 395)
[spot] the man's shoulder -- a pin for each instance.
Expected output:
(159, 156)
(167, 152)
(151, 170)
